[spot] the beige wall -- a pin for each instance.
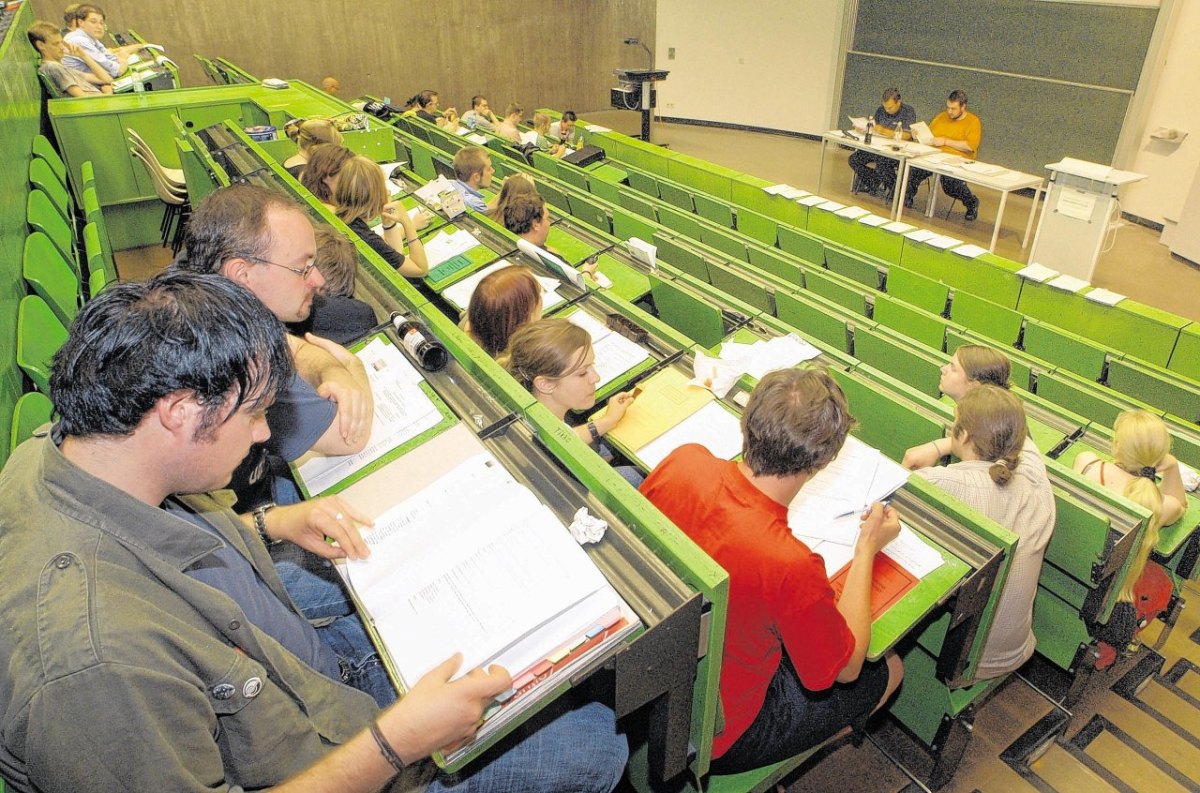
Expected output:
(562, 56)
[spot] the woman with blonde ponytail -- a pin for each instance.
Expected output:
(1144, 471)
(1004, 478)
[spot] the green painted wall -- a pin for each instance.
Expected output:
(20, 120)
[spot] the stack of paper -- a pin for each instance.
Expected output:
(460, 293)
(921, 235)
(970, 251)
(898, 227)
(1104, 296)
(615, 354)
(872, 220)
(811, 200)
(852, 212)
(506, 585)
(670, 412)
(445, 245)
(428, 193)
(402, 412)
(1037, 272)
(722, 373)
(1068, 283)
(786, 190)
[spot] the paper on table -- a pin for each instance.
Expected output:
(1037, 272)
(494, 575)
(920, 130)
(857, 477)
(402, 412)
(942, 241)
(781, 352)
(1104, 296)
(912, 553)
(984, 169)
(811, 200)
(446, 245)
(907, 550)
(785, 190)
(428, 192)
(872, 220)
(477, 139)
(830, 206)
(387, 168)
(970, 251)
(852, 212)
(858, 122)
(460, 293)
(597, 128)
(615, 354)
(666, 398)
(716, 374)
(529, 137)
(712, 426)
(899, 227)
(1068, 283)
(921, 235)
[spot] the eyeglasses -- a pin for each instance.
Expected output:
(303, 272)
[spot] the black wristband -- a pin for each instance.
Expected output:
(386, 749)
(593, 431)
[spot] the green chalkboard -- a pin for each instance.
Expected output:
(1085, 43)
(1047, 79)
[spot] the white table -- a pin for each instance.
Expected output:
(884, 146)
(1005, 182)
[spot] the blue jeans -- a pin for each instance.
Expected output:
(566, 747)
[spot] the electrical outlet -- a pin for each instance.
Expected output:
(670, 53)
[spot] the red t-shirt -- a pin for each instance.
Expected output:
(779, 595)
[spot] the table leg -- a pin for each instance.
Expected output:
(899, 186)
(821, 167)
(935, 182)
(999, 217)
(1037, 193)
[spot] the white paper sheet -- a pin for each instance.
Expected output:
(1068, 283)
(872, 220)
(402, 412)
(459, 293)
(921, 235)
(811, 200)
(852, 212)
(970, 251)
(615, 354)
(712, 426)
(943, 242)
(899, 227)
(1037, 272)
(831, 206)
(1105, 296)
(446, 245)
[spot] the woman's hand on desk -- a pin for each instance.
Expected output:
(617, 405)
(438, 713)
(924, 456)
(309, 523)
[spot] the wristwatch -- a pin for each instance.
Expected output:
(260, 523)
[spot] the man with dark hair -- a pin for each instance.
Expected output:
(872, 171)
(473, 170)
(480, 116)
(793, 673)
(262, 239)
(528, 217)
(427, 109)
(564, 128)
(956, 131)
(107, 605)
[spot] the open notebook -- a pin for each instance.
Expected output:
(507, 585)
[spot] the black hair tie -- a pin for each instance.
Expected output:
(1149, 472)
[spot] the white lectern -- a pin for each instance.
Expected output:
(1075, 220)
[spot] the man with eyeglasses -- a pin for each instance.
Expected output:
(90, 29)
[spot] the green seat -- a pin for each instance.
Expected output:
(681, 257)
(94, 253)
(573, 175)
(686, 224)
(546, 164)
(742, 286)
(42, 216)
(917, 290)
(626, 225)
(39, 335)
(93, 214)
(715, 210)
(31, 411)
(922, 326)
(753, 224)
(639, 205)
(43, 178)
(50, 276)
(643, 183)
(97, 281)
(692, 316)
(43, 148)
(760, 779)
(606, 190)
(1185, 358)
(777, 264)
(802, 244)
(676, 195)
(728, 243)
(853, 266)
(900, 358)
(590, 212)
(985, 317)
(422, 162)
(812, 316)
(1064, 349)
(87, 175)
(1164, 389)
(831, 287)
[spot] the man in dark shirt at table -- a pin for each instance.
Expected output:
(874, 173)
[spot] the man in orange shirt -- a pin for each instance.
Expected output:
(956, 131)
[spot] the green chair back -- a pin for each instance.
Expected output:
(39, 335)
(43, 148)
(43, 178)
(95, 215)
(31, 411)
(87, 175)
(42, 216)
(50, 276)
(917, 290)
(96, 282)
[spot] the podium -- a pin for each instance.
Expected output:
(1077, 215)
(637, 93)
